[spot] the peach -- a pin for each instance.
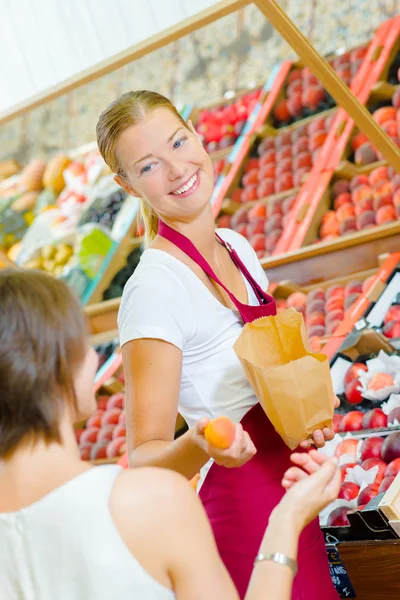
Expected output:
(317, 140)
(269, 156)
(328, 217)
(331, 227)
(396, 98)
(296, 300)
(284, 152)
(251, 177)
(353, 287)
(357, 181)
(315, 319)
(283, 182)
(341, 186)
(391, 128)
(266, 144)
(331, 326)
(300, 145)
(380, 381)
(275, 221)
(249, 193)
(288, 203)
(85, 450)
(361, 192)
(283, 139)
(341, 199)
(119, 430)
(317, 294)
(236, 195)
(284, 166)
(348, 446)
(315, 306)
(334, 303)
(344, 211)
(382, 189)
(274, 207)
(316, 125)
(267, 171)
(378, 174)
(297, 133)
(110, 416)
(299, 176)
(294, 87)
(98, 450)
(273, 239)
(334, 291)
(252, 163)
(385, 214)
(256, 226)
(116, 447)
(266, 188)
(358, 140)
(258, 242)
(316, 331)
(350, 299)
(365, 154)
(303, 159)
(95, 419)
(224, 222)
(122, 417)
(386, 113)
(281, 111)
(352, 421)
(366, 219)
(336, 314)
(105, 433)
(89, 435)
(385, 484)
(259, 210)
(364, 206)
(102, 402)
(313, 95)
(348, 225)
(220, 432)
(395, 183)
(116, 401)
(393, 314)
(295, 102)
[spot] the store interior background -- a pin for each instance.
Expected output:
(230, 53)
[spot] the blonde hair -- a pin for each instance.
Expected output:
(129, 109)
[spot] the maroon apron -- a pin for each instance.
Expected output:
(239, 501)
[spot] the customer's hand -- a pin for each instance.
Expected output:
(240, 451)
(310, 490)
(321, 436)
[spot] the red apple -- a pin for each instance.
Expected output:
(367, 494)
(349, 491)
(116, 447)
(110, 416)
(347, 447)
(89, 435)
(371, 448)
(385, 484)
(370, 463)
(352, 421)
(391, 447)
(352, 372)
(393, 468)
(375, 419)
(352, 393)
(338, 517)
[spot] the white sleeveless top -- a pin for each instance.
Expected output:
(67, 547)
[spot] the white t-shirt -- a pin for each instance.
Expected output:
(165, 300)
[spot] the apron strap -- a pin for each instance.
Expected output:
(190, 249)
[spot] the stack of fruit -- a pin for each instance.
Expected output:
(305, 96)
(104, 434)
(221, 125)
(357, 458)
(262, 224)
(323, 310)
(361, 203)
(280, 162)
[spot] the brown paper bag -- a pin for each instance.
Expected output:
(292, 384)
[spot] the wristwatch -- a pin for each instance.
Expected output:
(279, 558)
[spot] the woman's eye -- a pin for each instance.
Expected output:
(146, 169)
(179, 142)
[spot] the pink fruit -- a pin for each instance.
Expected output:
(375, 419)
(391, 447)
(393, 468)
(95, 419)
(371, 448)
(116, 447)
(338, 517)
(385, 484)
(352, 421)
(347, 447)
(89, 435)
(367, 494)
(85, 450)
(102, 402)
(352, 372)
(116, 401)
(370, 463)
(349, 491)
(106, 433)
(98, 450)
(119, 431)
(110, 416)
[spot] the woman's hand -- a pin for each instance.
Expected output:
(321, 436)
(310, 490)
(239, 452)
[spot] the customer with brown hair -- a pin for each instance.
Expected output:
(72, 531)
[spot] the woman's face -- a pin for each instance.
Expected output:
(84, 385)
(167, 165)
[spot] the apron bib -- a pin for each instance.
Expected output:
(239, 501)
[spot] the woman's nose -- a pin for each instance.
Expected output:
(176, 170)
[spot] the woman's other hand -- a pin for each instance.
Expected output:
(321, 436)
(311, 485)
(239, 452)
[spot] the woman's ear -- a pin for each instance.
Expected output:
(126, 186)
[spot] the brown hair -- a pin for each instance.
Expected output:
(127, 110)
(42, 347)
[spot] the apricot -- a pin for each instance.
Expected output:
(365, 154)
(220, 432)
(342, 199)
(344, 211)
(378, 174)
(269, 156)
(251, 177)
(357, 181)
(358, 140)
(300, 145)
(385, 214)
(283, 152)
(380, 381)
(252, 163)
(283, 182)
(317, 140)
(331, 227)
(361, 193)
(386, 113)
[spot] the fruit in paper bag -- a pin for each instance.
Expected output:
(220, 432)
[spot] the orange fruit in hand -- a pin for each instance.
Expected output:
(220, 432)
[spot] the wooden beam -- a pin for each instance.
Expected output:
(330, 80)
(205, 17)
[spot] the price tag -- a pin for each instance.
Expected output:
(339, 576)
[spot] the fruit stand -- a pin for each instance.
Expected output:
(310, 174)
